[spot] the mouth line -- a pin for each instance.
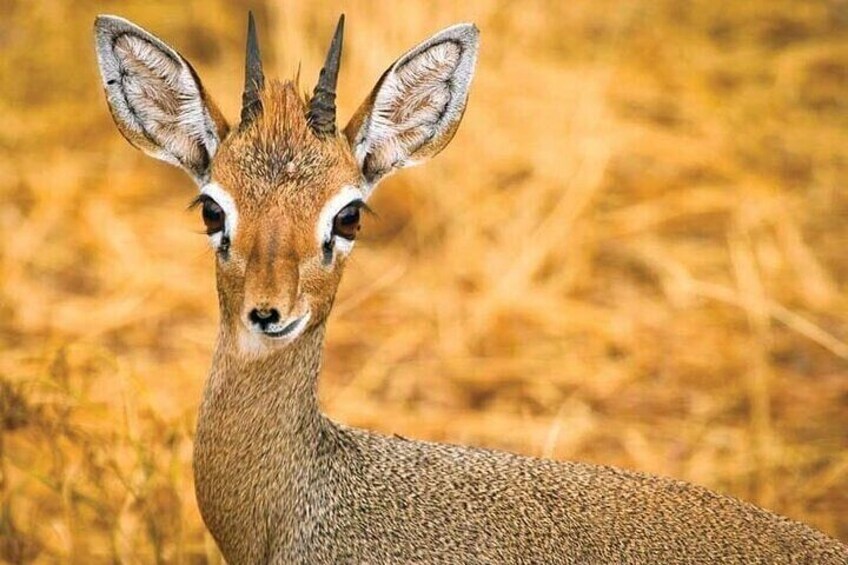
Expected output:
(288, 330)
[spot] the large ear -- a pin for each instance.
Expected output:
(414, 110)
(156, 98)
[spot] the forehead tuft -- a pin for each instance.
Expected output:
(277, 151)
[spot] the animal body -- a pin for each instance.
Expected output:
(281, 195)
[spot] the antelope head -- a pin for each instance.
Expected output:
(282, 192)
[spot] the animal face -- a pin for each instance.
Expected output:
(282, 210)
(282, 194)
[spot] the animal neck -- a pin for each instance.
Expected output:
(277, 387)
(258, 429)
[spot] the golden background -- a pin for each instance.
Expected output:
(634, 253)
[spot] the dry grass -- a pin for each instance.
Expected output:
(633, 253)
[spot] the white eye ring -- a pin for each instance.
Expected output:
(225, 201)
(324, 228)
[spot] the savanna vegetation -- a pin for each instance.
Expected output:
(633, 253)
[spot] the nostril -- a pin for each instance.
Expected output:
(263, 317)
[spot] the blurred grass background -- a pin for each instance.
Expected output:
(633, 253)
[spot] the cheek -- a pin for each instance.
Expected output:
(229, 275)
(319, 284)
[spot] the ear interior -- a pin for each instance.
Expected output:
(156, 98)
(417, 105)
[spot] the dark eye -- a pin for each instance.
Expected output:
(346, 222)
(213, 216)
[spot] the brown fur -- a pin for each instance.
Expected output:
(280, 175)
(278, 482)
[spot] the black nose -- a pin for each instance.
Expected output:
(264, 317)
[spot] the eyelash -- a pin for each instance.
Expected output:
(224, 244)
(359, 203)
(330, 243)
(197, 201)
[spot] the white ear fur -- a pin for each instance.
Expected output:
(155, 97)
(414, 110)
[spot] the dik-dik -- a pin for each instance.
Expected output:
(281, 194)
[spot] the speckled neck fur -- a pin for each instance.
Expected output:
(258, 428)
(277, 482)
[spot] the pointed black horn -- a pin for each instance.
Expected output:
(254, 80)
(322, 106)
